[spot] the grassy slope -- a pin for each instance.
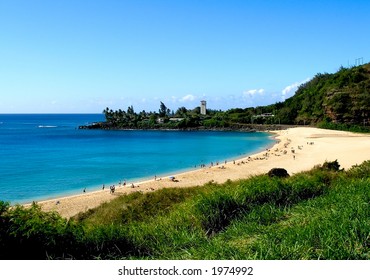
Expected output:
(314, 215)
(320, 214)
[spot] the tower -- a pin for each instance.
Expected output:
(203, 109)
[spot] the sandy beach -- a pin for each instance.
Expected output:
(296, 149)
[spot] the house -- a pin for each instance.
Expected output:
(176, 119)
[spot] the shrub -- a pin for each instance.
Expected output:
(278, 172)
(331, 165)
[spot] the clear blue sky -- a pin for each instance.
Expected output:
(75, 56)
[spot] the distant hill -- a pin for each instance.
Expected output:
(337, 101)
(342, 97)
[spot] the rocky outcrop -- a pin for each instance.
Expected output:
(278, 172)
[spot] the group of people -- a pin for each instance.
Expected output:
(211, 164)
(113, 187)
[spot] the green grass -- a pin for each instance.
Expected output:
(332, 226)
(320, 214)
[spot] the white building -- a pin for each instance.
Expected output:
(203, 109)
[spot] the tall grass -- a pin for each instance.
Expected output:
(320, 214)
(137, 206)
(219, 209)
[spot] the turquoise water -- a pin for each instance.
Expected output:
(45, 156)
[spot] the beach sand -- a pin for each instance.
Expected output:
(297, 149)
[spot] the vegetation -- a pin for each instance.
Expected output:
(335, 101)
(320, 214)
(339, 98)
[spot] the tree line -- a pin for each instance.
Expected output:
(340, 101)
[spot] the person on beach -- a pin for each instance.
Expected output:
(112, 189)
(84, 190)
(103, 187)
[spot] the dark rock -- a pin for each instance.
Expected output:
(331, 165)
(278, 172)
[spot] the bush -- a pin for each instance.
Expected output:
(278, 172)
(331, 165)
(34, 234)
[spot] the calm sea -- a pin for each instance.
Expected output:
(44, 156)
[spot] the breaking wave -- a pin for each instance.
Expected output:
(47, 126)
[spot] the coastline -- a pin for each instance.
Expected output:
(296, 149)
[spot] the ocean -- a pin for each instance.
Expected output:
(44, 156)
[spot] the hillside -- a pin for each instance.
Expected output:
(320, 214)
(342, 97)
(335, 101)
(340, 101)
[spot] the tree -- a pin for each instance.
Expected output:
(106, 112)
(130, 111)
(162, 110)
(181, 112)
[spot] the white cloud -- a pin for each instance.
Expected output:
(290, 90)
(253, 92)
(187, 98)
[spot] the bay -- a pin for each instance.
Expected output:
(44, 155)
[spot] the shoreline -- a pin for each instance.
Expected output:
(139, 180)
(296, 149)
(235, 128)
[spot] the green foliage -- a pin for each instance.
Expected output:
(4, 206)
(33, 234)
(217, 211)
(324, 228)
(320, 214)
(137, 207)
(221, 208)
(162, 110)
(331, 165)
(360, 171)
(335, 101)
(344, 127)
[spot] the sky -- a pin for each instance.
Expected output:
(76, 56)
